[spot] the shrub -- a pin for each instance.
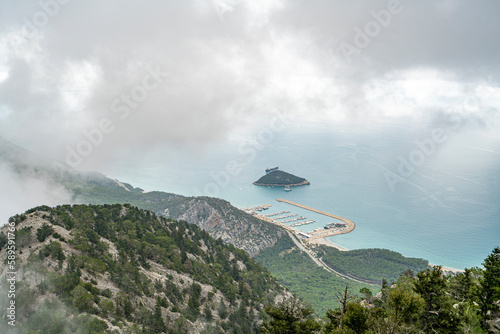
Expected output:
(43, 232)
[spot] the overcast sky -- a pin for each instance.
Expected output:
(190, 73)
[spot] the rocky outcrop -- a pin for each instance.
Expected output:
(224, 221)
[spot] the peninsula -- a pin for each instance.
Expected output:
(279, 178)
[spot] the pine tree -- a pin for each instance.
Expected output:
(438, 315)
(355, 318)
(489, 291)
(290, 317)
(158, 325)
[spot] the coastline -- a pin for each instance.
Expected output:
(445, 269)
(320, 238)
(303, 183)
(324, 241)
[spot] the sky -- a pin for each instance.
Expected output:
(88, 82)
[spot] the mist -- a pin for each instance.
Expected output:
(96, 85)
(129, 77)
(21, 192)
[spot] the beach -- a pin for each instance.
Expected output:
(323, 241)
(448, 269)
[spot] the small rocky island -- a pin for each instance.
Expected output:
(279, 178)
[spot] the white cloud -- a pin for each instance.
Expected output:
(232, 62)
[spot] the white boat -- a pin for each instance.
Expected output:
(287, 188)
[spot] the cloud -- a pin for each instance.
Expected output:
(22, 192)
(230, 64)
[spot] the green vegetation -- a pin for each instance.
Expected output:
(489, 287)
(428, 302)
(298, 273)
(370, 264)
(3, 240)
(215, 215)
(280, 178)
(43, 232)
(122, 244)
(290, 316)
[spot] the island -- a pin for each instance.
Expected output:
(279, 178)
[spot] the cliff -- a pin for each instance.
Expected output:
(219, 218)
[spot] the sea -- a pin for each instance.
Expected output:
(428, 191)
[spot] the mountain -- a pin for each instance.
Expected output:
(292, 266)
(280, 178)
(10, 151)
(117, 268)
(216, 216)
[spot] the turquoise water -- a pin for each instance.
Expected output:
(445, 211)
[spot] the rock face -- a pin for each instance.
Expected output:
(279, 178)
(222, 220)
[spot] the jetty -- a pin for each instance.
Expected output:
(350, 226)
(277, 213)
(257, 208)
(303, 223)
(286, 216)
(293, 219)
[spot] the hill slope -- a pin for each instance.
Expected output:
(116, 268)
(370, 264)
(216, 216)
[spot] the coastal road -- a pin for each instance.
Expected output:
(319, 262)
(292, 233)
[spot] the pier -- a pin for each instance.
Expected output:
(293, 219)
(257, 208)
(277, 213)
(350, 226)
(290, 215)
(303, 223)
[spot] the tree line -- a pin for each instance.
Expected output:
(426, 302)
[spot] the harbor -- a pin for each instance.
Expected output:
(294, 219)
(257, 208)
(323, 233)
(290, 215)
(303, 223)
(341, 226)
(277, 213)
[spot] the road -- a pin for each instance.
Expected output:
(319, 262)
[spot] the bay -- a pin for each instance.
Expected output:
(426, 194)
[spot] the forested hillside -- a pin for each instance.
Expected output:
(216, 216)
(370, 264)
(295, 270)
(118, 268)
(424, 302)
